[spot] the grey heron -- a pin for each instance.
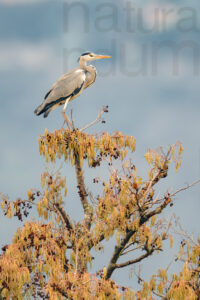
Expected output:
(70, 85)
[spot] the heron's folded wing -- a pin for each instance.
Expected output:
(67, 85)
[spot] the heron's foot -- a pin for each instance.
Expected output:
(67, 121)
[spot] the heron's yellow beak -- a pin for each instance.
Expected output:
(102, 56)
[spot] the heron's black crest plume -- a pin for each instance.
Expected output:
(85, 53)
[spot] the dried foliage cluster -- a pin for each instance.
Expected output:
(51, 258)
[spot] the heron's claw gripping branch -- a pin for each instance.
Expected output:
(67, 121)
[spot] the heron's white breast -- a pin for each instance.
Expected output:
(83, 73)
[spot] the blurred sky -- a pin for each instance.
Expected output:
(151, 85)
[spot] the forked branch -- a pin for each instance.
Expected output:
(134, 261)
(118, 250)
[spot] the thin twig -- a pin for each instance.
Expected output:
(128, 251)
(180, 190)
(185, 234)
(185, 188)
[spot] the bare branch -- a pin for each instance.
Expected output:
(98, 119)
(88, 210)
(151, 183)
(65, 217)
(134, 261)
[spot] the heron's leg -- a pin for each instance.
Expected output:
(64, 114)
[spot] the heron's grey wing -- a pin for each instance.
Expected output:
(67, 85)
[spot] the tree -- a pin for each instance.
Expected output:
(51, 258)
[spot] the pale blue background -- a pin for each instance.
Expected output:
(157, 110)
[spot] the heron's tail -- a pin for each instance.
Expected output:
(39, 110)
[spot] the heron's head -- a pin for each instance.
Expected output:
(87, 56)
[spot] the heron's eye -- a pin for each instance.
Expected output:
(90, 55)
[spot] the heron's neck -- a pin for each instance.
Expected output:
(84, 66)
